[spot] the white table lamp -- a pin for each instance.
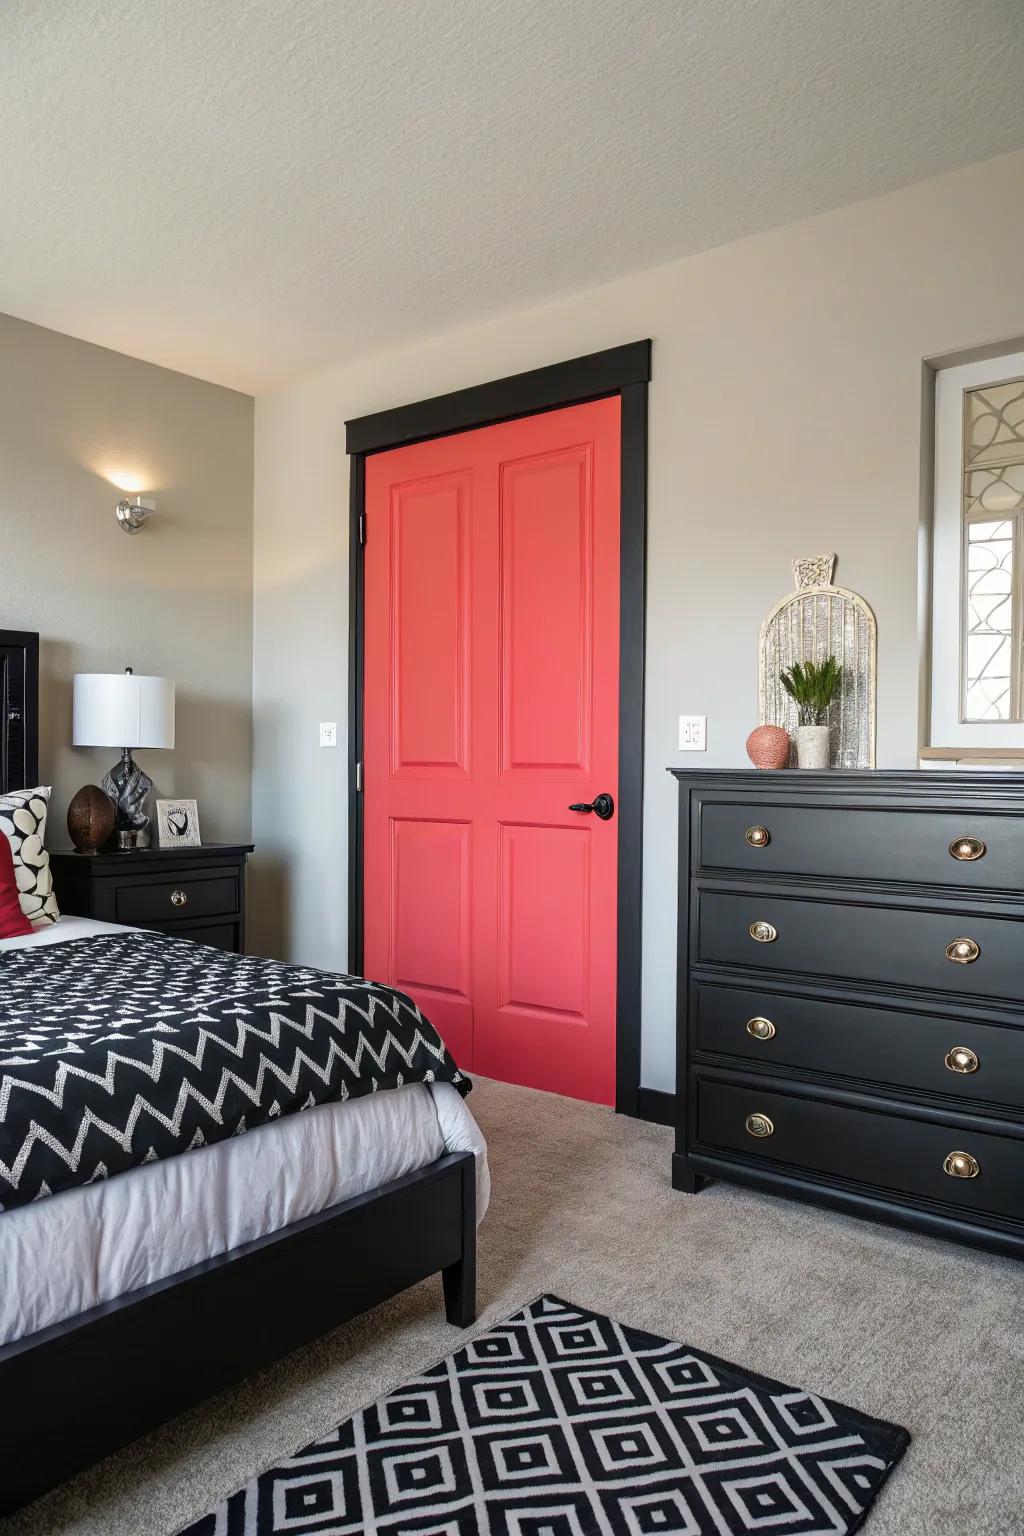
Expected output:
(121, 709)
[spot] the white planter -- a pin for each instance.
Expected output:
(812, 746)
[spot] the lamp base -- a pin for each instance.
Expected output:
(128, 787)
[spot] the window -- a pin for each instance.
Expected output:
(978, 556)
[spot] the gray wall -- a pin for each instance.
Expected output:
(176, 599)
(786, 419)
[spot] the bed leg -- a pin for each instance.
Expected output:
(459, 1279)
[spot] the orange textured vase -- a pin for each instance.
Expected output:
(768, 747)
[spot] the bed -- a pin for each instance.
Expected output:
(151, 1262)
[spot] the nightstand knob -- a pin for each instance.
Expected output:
(761, 1029)
(759, 1125)
(967, 849)
(963, 951)
(758, 837)
(179, 898)
(763, 933)
(961, 1165)
(962, 1059)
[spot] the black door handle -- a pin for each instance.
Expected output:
(602, 805)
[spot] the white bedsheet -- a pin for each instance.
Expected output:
(63, 930)
(66, 1253)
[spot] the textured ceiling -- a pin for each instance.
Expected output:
(250, 189)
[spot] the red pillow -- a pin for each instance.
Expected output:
(13, 922)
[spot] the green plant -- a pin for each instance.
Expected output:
(812, 688)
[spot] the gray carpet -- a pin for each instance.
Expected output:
(920, 1332)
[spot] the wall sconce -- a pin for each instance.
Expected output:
(133, 513)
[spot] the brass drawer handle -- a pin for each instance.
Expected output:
(967, 849)
(759, 1125)
(962, 1059)
(179, 898)
(961, 1165)
(763, 933)
(963, 951)
(758, 837)
(761, 1029)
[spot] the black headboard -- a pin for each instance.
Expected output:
(19, 709)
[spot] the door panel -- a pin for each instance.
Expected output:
(431, 904)
(544, 917)
(491, 706)
(546, 555)
(429, 605)
(430, 897)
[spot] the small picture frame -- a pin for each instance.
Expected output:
(178, 823)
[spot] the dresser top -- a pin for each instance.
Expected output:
(925, 783)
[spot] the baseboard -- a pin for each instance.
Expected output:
(653, 1104)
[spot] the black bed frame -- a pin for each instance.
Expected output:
(73, 1393)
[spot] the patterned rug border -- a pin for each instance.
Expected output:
(901, 1436)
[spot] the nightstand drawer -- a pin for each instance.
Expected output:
(904, 946)
(187, 898)
(966, 851)
(217, 935)
(927, 1053)
(920, 1158)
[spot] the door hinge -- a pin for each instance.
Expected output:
(362, 527)
(359, 778)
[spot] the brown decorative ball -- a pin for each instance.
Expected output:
(90, 819)
(768, 747)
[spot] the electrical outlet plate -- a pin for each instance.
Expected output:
(328, 733)
(693, 733)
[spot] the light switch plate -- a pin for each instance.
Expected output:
(693, 733)
(328, 733)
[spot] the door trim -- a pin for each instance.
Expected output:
(624, 371)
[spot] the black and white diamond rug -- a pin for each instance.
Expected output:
(561, 1422)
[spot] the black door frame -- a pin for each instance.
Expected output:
(624, 371)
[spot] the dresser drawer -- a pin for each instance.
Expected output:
(906, 1157)
(922, 1052)
(902, 946)
(186, 898)
(841, 843)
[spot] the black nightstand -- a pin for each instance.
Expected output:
(196, 893)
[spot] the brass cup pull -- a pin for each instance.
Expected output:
(967, 849)
(962, 1059)
(758, 837)
(963, 951)
(179, 898)
(763, 933)
(961, 1165)
(761, 1029)
(759, 1125)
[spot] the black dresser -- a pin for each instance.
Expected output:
(851, 993)
(193, 893)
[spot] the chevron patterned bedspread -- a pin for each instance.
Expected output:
(123, 1049)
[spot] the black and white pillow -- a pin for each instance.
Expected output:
(23, 823)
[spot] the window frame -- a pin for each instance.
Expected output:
(948, 728)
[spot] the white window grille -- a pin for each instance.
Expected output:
(978, 556)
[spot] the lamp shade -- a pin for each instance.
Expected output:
(121, 709)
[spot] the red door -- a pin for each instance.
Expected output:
(490, 708)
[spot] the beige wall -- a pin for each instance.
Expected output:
(175, 599)
(786, 419)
